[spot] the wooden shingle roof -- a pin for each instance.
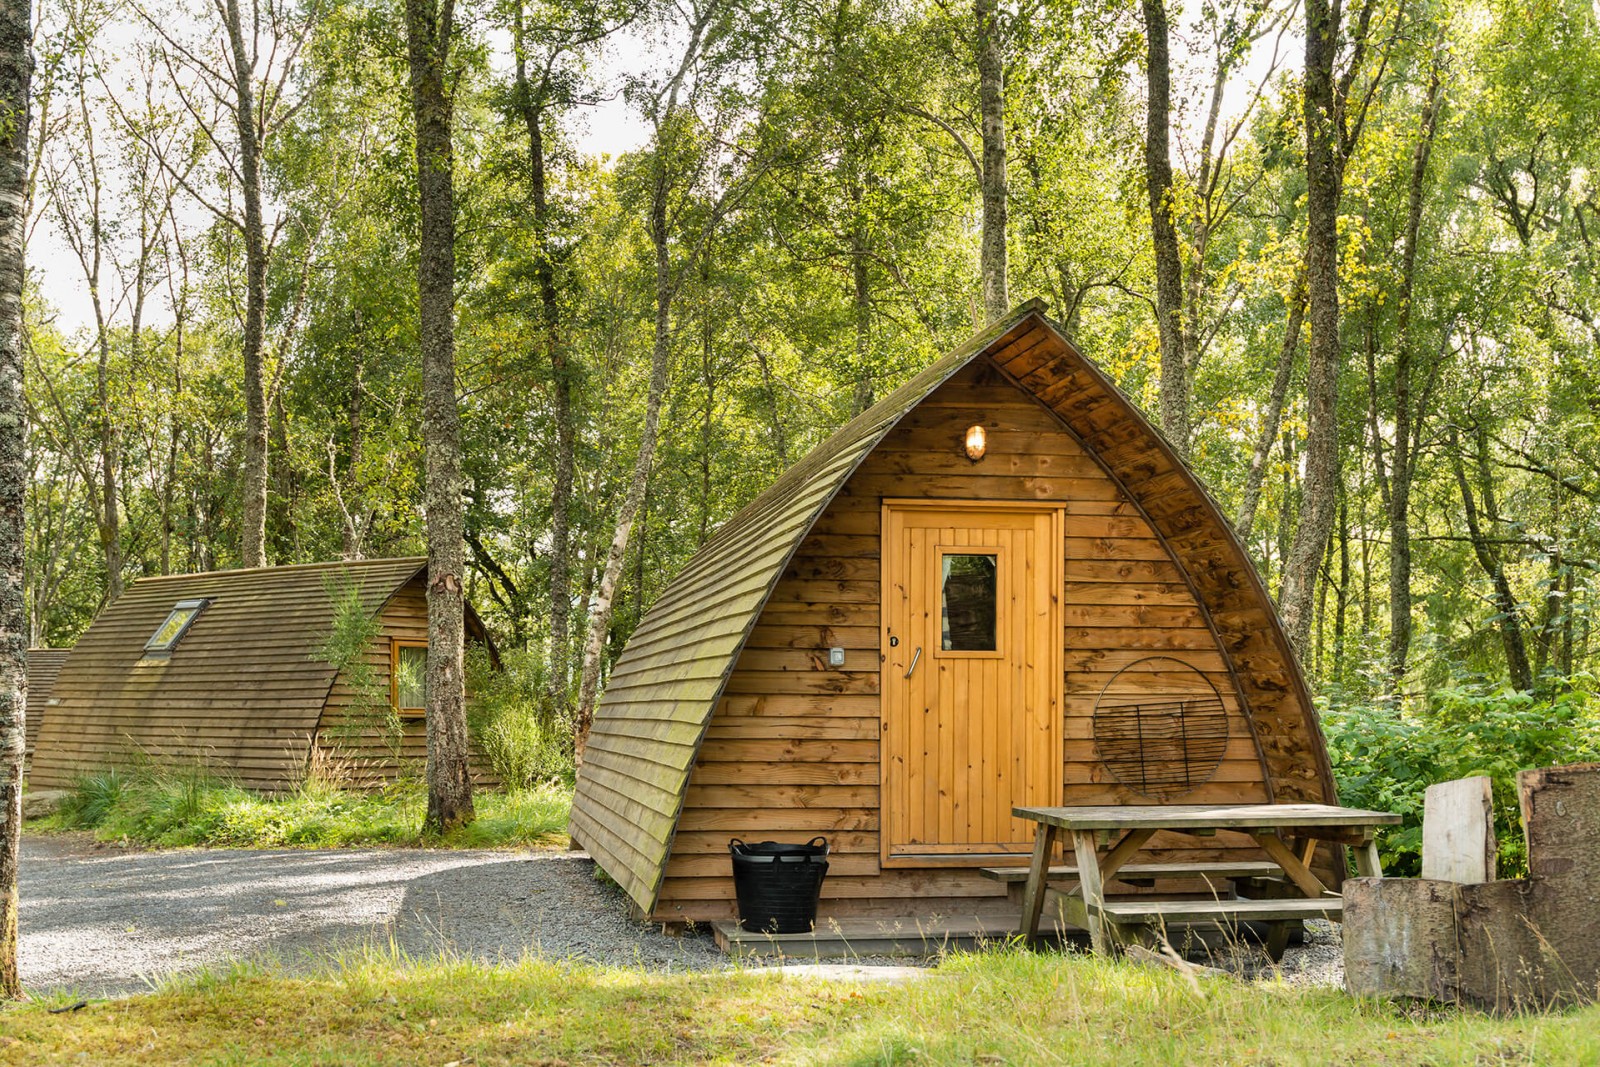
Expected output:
(243, 689)
(43, 666)
(665, 687)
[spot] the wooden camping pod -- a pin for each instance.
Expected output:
(43, 666)
(1114, 598)
(244, 692)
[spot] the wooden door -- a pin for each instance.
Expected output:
(972, 678)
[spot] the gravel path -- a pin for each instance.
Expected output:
(106, 921)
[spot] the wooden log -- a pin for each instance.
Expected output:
(1458, 831)
(1506, 964)
(1400, 938)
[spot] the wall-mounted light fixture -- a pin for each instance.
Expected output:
(977, 443)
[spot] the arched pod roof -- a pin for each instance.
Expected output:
(243, 688)
(665, 688)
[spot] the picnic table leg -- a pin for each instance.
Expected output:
(1367, 863)
(1044, 843)
(1279, 853)
(1094, 896)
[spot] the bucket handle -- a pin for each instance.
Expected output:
(732, 841)
(819, 838)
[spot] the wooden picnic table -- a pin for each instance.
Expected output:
(1136, 824)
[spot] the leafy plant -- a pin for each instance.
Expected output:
(528, 741)
(350, 637)
(1385, 756)
(186, 806)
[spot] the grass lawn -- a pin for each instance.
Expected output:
(1001, 1007)
(174, 809)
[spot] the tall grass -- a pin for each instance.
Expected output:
(186, 806)
(1005, 1007)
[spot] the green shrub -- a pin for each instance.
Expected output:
(93, 798)
(170, 807)
(1385, 757)
(527, 740)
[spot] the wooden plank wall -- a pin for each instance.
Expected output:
(792, 750)
(240, 694)
(43, 666)
(354, 744)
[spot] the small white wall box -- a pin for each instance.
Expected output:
(836, 657)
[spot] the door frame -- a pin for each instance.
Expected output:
(1055, 665)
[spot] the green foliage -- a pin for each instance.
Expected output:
(1385, 756)
(527, 739)
(187, 807)
(94, 798)
(347, 648)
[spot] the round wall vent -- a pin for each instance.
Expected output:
(1160, 727)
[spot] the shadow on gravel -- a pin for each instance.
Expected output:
(107, 922)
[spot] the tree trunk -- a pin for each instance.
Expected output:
(1505, 602)
(666, 286)
(110, 458)
(708, 381)
(1281, 378)
(1164, 233)
(531, 102)
(1403, 463)
(992, 105)
(616, 557)
(1323, 184)
(253, 488)
(1339, 622)
(429, 29)
(355, 415)
(780, 443)
(15, 72)
(862, 308)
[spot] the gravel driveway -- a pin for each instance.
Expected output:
(106, 921)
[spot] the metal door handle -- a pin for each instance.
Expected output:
(912, 669)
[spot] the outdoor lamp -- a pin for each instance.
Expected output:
(977, 442)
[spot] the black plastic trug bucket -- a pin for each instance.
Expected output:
(778, 884)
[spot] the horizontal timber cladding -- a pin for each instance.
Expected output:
(358, 742)
(243, 691)
(804, 753)
(44, 664)
(725, 718)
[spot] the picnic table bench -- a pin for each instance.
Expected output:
(1266, 824)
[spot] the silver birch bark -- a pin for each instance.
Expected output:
(992, 105)
(16, 70)
(430, 26)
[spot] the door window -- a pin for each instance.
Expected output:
(969, 595)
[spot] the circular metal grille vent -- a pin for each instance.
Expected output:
(1160, 727)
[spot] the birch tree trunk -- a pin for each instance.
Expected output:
(992, 105)
(1320, 489)
(1164, 232)
(1405, 419)
(1508, 618)
(253, 489)
(430, 26)
(16, 69)
(616, 556)
(531, 102)
(1255, 479)
(659, 226)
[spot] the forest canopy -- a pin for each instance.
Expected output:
(692, 238)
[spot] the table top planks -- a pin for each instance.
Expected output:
(1204, 816)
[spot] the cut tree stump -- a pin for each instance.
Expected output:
(1400, 938)
(1506, 946)
(1458, 831)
